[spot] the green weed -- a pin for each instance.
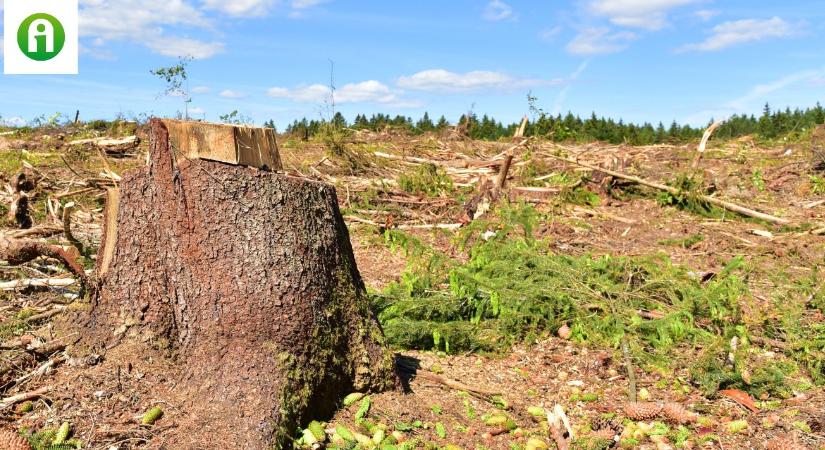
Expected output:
(427, 179)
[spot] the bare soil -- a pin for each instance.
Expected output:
(104, 402)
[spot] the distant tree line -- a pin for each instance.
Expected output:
(770, 125)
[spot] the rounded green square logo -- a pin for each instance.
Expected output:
(41, 37)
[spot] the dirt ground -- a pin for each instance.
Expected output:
(451, 401)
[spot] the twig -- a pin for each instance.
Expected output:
(20, 251)
(558, 424)
(712, 200)
(14, 399)
(36, 282)
(67, 227)
(702, 145)
(434, 226)
(46, 315)
(631, 372)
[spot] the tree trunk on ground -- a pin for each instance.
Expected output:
(249, 278)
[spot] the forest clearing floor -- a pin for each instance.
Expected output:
(500, 306)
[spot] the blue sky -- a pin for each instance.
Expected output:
(640, 60)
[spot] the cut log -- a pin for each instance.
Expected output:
(248, 276)
(115, 146)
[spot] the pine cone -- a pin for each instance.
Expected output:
(605, 434)
(642, 410)
(9, 440)
(676, 413)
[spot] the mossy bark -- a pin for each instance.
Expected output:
(249, 277)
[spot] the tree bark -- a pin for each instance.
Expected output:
(248, 276)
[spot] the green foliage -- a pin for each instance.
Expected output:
(581, 196)
(513, 288)
(687, 242)
(758, 180)
(334, 138)
(235, 118)
(688, 198)
(173, 76)
(817, 184)
(427, 179)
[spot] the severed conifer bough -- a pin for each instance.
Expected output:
(247, 276)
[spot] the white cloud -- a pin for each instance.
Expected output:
(305, 4)
(145, 22)
(259, 8)
(13, 121)
(1, 45)
(739, 32)
(228, 93)
(760, 94)
(706, 14)
(439, 80)
(497, 10)
(550, 34)
(201, 90)
(181, 46)
(562, 97)
(241, 8)
(645, 14)
(197, 110)
(599, 41)
(364, 92)
(130, 19)
(315, 93)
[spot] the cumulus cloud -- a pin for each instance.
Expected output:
(364, 92)
(497, 10)
(146, 22)
(166, 26)
(182, 46)
(599, 41)
(228, 93)
(729, 34)
(201, 90)
(645, 14)
(440, 80)
(241, 8)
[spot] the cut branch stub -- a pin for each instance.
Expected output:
(250, 278)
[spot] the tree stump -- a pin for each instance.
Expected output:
(249, 279)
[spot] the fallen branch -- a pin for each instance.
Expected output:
(711, 200)
(434, 226)
(21, 251)
(702, 145)
(46, 315)
(40, 230)
(14, 399)
(36, 282)
(67, 227)
(559, 427)
(111, 145)
(631, 371)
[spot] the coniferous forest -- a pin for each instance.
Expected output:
(771, 124)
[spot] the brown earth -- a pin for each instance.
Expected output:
(105, 401)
